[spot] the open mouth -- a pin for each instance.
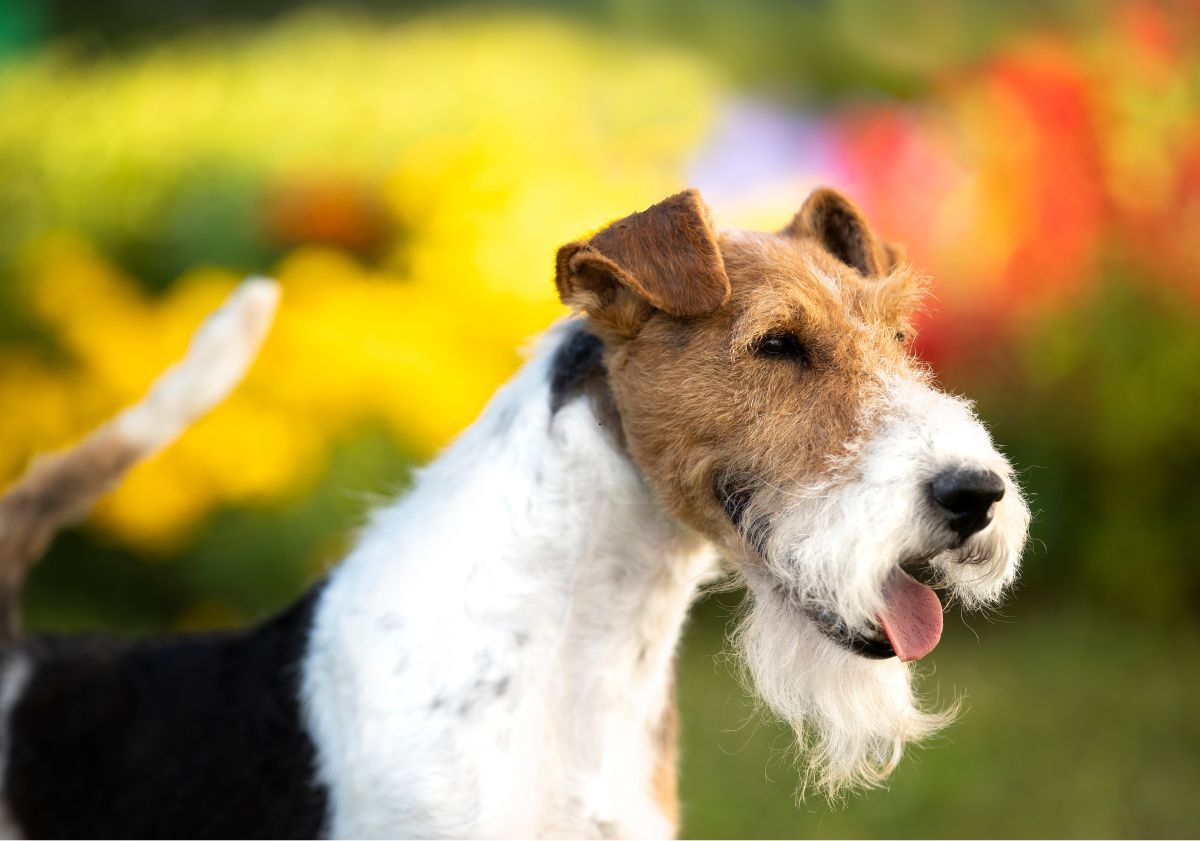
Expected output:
(908, 627)
(870, 642)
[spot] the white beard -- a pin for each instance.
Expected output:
(832, 545)
(852, 715)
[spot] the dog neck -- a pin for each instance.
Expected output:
(530, 591)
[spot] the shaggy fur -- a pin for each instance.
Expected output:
(828, 453)
(494, 657)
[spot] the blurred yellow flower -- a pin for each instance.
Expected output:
(443, 146)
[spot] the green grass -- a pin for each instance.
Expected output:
(1075, 724)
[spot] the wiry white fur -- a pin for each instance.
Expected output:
(832, 547)
(836, 541)
(494, 657)
(852, 716)
(938, 432)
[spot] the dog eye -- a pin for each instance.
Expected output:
(901, 336)
(783, 346)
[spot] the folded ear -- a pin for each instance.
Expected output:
(835, 222)
(665, 257)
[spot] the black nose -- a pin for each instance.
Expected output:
(965, 497)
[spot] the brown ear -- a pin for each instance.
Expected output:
(835, 222)
(665, 256)
(894, 254)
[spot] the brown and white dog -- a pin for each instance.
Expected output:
(494, 658)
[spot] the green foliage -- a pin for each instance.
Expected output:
(1100, 408)
(1075, 724)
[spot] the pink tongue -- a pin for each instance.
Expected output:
(911, 617)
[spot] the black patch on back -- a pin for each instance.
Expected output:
(578, 370)
(188, 737)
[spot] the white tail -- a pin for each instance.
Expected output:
(60, 488)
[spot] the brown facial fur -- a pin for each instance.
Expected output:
(698, 402)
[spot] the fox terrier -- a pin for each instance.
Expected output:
(494, 658)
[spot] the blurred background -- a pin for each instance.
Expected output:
(407, 170)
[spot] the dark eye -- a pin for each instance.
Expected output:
(783, 346)
(901, 336)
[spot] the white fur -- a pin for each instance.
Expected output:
(13, 679)
(832, 546)
(493, 658)
(852, 716)
(836, 541)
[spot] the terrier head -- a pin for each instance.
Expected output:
(767, 391)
